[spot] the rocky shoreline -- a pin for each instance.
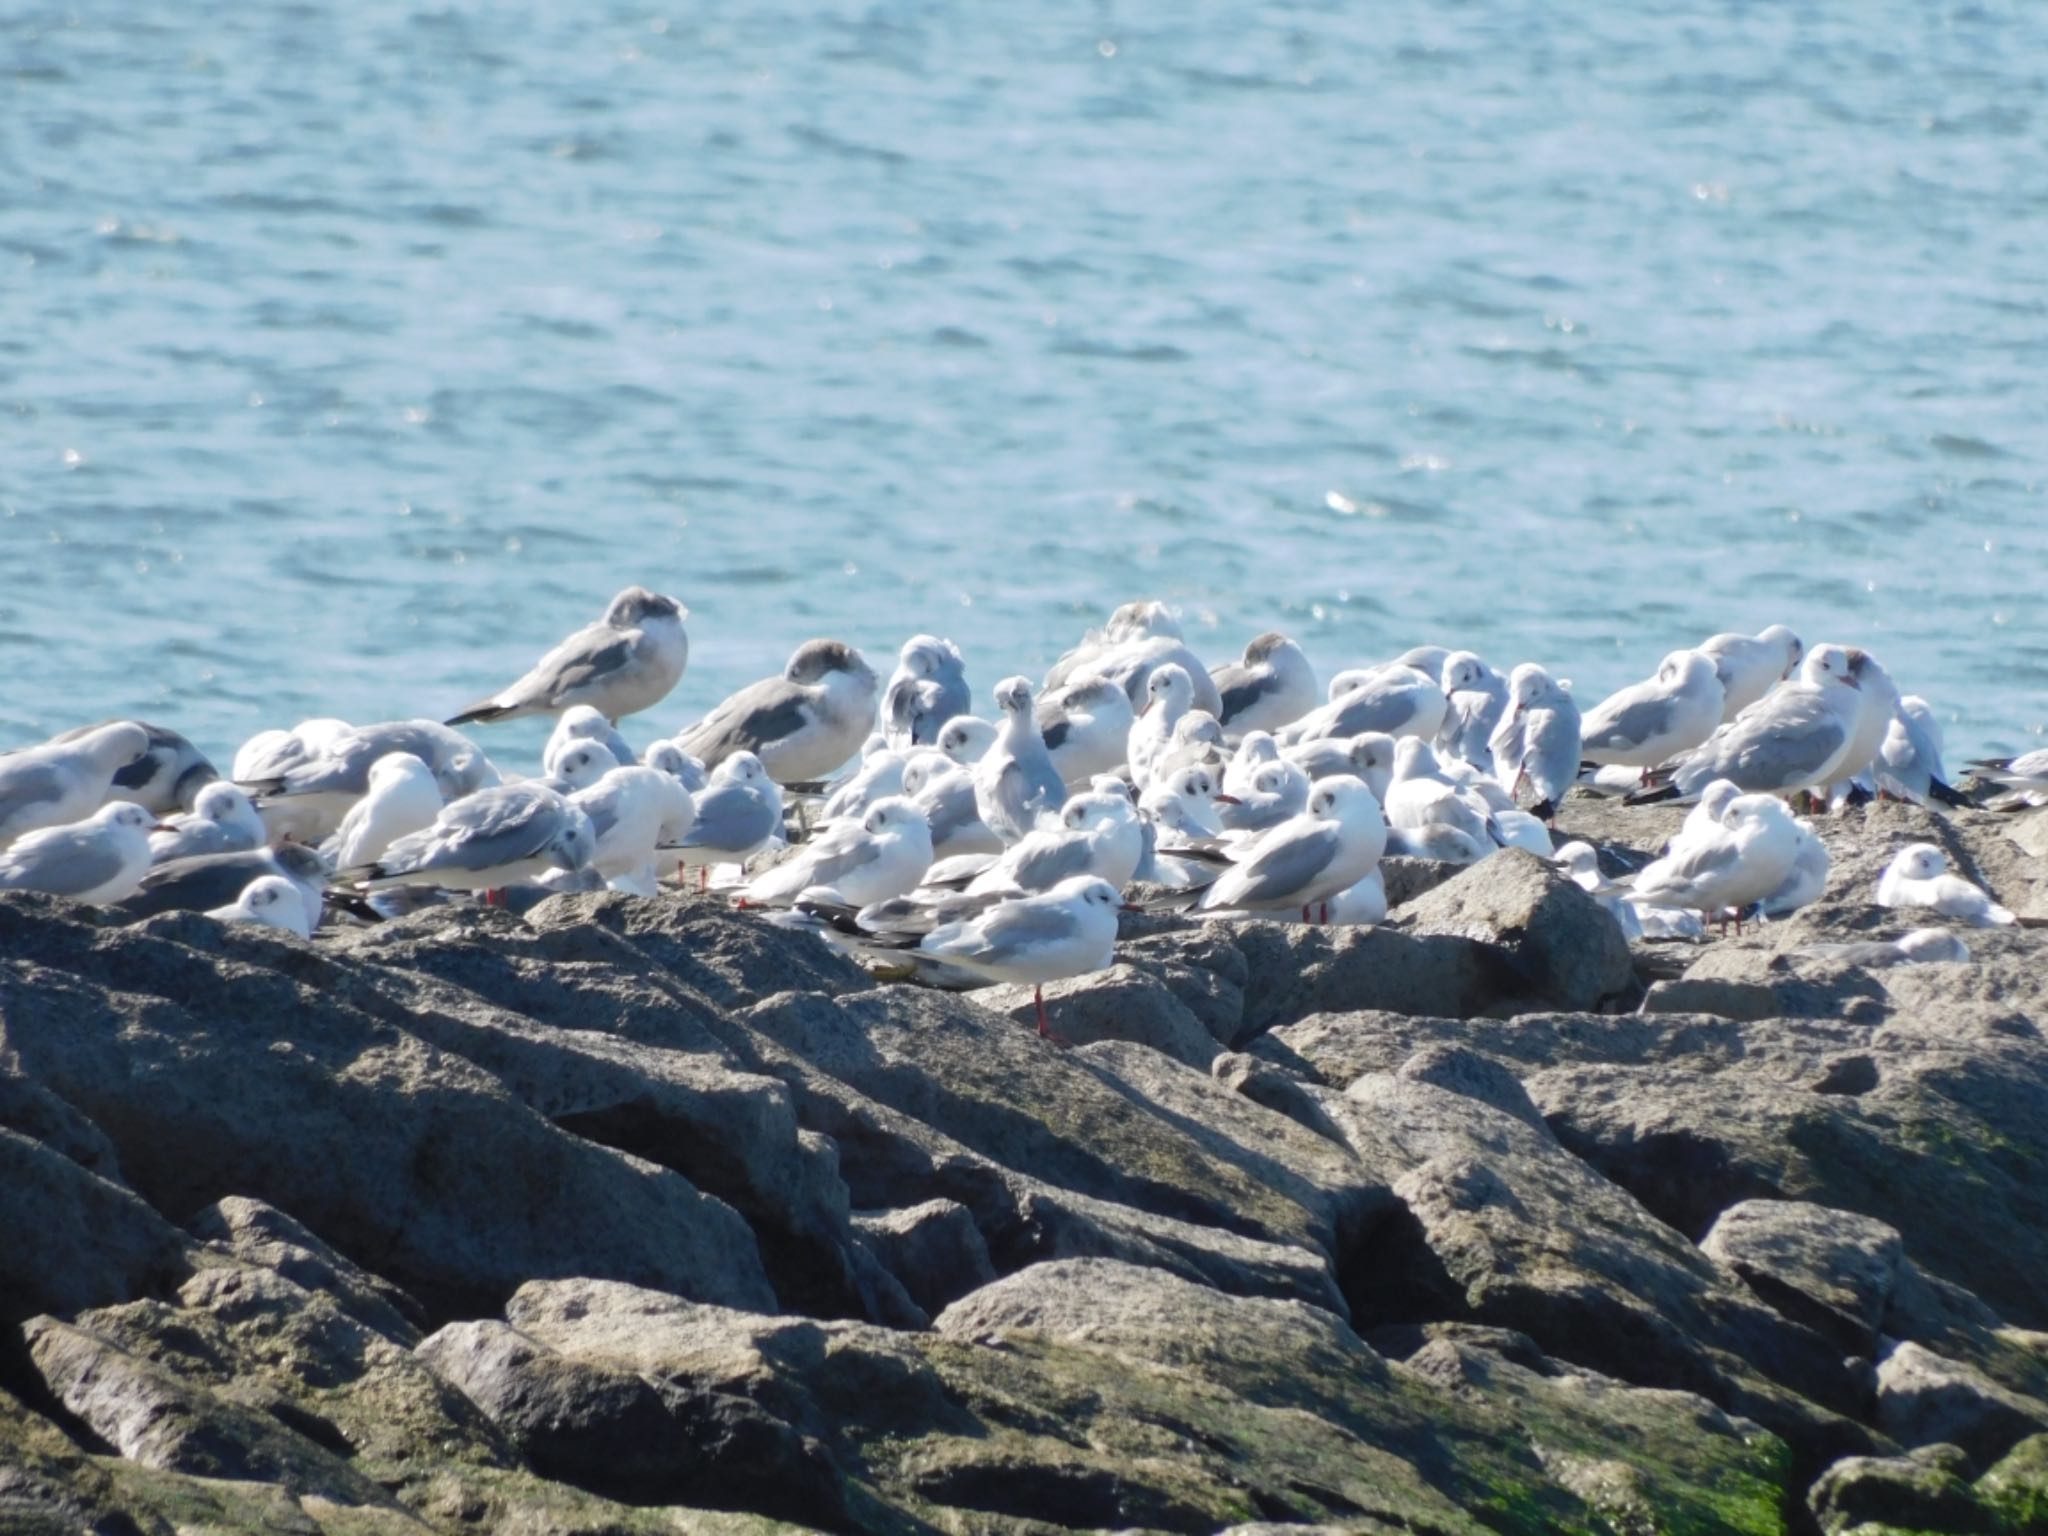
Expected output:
(641, 1215)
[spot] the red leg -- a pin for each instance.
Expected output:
(1038, 994)
(1304, 915)
(1326, 914)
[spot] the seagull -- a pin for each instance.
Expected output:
(878, 775)
(494, 838)
(309, 797)
(1309, 858)
(1419, 797)
(1791, 739)
(270, 900)
(1537, 742)
(673, 760)
(1749, 666)
(402, 798)
(167, 778)
(738, 814)
(1273, 686)
(1361, 905)
(883, 854)
(1015, 783)
(1398, 699)
(98, 860)
(1475, 698)
(626, 662)
(1918, 877)
(1181, 806)
(1087, 728)
(222, 820)
(802, 724)
(1130, 624)
(928, 688)
(1369, 756)
(945, 793)
(1581, 865)
(271, 754)
(1276, 791)
(1807, 882)
(579, 766)
(1169, 695)
(60, 782)
(1909, 763)
(210, 880)
(967, 738)
(580, 722)
(1069, 930)
(1877, 705)
(632, 809)
(1743, 860)
(2025, 776)
(1098, 835)
(1131, 663)
(1650, 722)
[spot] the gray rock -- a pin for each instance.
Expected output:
(1276, 1089)
(75, 1239)
(1832, 1270)
(1923, 1399)
(1896, 1493)
(1121, 1003)
(933, 1248)
(260, 1234)
(1458, 1070)
(1562, 943)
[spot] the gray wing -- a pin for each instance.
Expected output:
(752, 719)
(1371, 708)
(1239, 686)
(1011, 928)
(1627, 724)
(196, 837)
(67, 862)
(595, 652)
(835, 864)
(198, 884)
(1281, 867)
(26, 784)
(1774, 748)
(730, 816)
(486, 831)
(1043, 867)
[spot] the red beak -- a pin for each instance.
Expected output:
(1228, 800)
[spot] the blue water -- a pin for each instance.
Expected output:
(349, 355)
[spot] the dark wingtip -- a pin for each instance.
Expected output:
(1544, 810)
(1650, 796)
(1948, 794)
(476, 714)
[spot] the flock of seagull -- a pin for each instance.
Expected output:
(974, 849)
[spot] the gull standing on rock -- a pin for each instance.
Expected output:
(222, 820)
(1475, 698)
(630, 810)
(1650, 722)
(1309, 858)
(1743, 860)
(1537, 742)
(269, 900)
(883, 855)
(1877, 706)
(1169, 696)
(1792, 739)
(1016, 785)
(1909, 763)
(928, 688)
(1069, 930)
(99, 860)
(403, 798)
(1419, 797)
(1750, 666)
(59, 782)
(738, 815)
(1098, 835)
(626, 662)
(1918, 877)
(944, 791)
(1273, 686)
(494, 838)
(803, 724)
(1807, 882)
(1087, 728)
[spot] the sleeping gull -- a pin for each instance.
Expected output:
(1918, 876)
(1650, 722)
(580, 722)
(210, 880)
(1537, 742)
(1130, 624)
(967, 738)
(166, 778)
(878, 776)
(738, 814)
(1475, 698)
(2025, 776)
(1419, 797)
(1015, 784)
(802, 724)
(928, 688)
(883, 854)
(1087, 728)
(630, 809)
(402, 799)
(1909, 763)
(99, 860)
(1749, 666)
(1273, 686)
(222, 820)
(308, 798)
(1923, 946)
(626, 662)
(1808, 880)
(270, 900)
(495, 837)
(1308, 858)
(1789, 740)
(1397, 699)
(59, 782)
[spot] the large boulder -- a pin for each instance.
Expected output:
(76, 1240)
(1833, 1270)
(1923, 1399)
